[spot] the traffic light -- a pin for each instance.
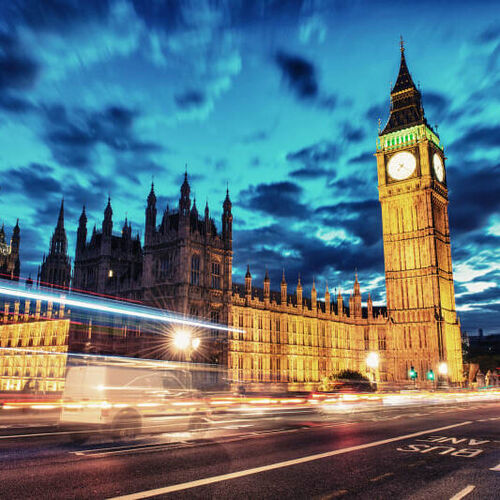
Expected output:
(430, 375)
(412, 373)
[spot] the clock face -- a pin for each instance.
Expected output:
(401, 165)
(437, 164)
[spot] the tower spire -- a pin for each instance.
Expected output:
(60, 220)
(406, 100)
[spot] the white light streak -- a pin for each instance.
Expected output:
(109, 307)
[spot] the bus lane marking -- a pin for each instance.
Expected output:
(441, 445)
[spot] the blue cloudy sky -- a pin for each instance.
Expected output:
(280, 99)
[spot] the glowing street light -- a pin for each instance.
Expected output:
(182, 339)
(372, 360)
(443, 368)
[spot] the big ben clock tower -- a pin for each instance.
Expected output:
(419, 277)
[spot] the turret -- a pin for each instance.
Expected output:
(56, 267)
(16, 238)
(267, 287)
(369, 306)
(15, 243)
(81, 234)
(314, 297)
(227, 222)
(356, 310)
(185, 200)
(150, 216)
(59, 242)
(327, 299)
(248, 284)
(340, 304)
(107, 223)
(207, 220)
(194, 216)
(126, 230)
(299, 293)
(283, 289)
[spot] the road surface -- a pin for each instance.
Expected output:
(445, 451)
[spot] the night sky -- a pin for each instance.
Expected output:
(278, 99)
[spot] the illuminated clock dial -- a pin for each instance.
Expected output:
(401, 165)
(437, 164)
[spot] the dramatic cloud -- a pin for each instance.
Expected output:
(74, 135)
(323, 152)
(190, 99)
(17, 69)
(299, 74)
(280, 199)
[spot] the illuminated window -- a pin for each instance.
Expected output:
(195, 269)
(110, 273)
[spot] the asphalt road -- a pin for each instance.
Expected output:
(425, 452)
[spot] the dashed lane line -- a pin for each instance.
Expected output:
(463, 493)
(383, 476)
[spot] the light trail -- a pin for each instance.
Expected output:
(101, 305)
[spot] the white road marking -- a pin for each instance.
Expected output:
(463, 493)
(497, 468)
(277, 465)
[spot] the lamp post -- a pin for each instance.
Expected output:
(185, 342)
(443, 373)
(372, 362)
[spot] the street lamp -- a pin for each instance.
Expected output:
(372, 362)
(443, 369)
(443, 374)
(185, 342)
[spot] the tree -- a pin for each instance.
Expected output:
(344, 376)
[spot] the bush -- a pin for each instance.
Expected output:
(348, 375)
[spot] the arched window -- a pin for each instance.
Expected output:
(195, 269)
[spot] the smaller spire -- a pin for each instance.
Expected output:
(227, 202)
(83, 217)
(314, 284)
(60, 220)
(283, 280)
(206, 210)
(152, 195)
(298, 282)
(402, 44)
(266, 277)
(248, 275)
(108, 210)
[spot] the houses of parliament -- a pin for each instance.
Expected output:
(282, 337)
